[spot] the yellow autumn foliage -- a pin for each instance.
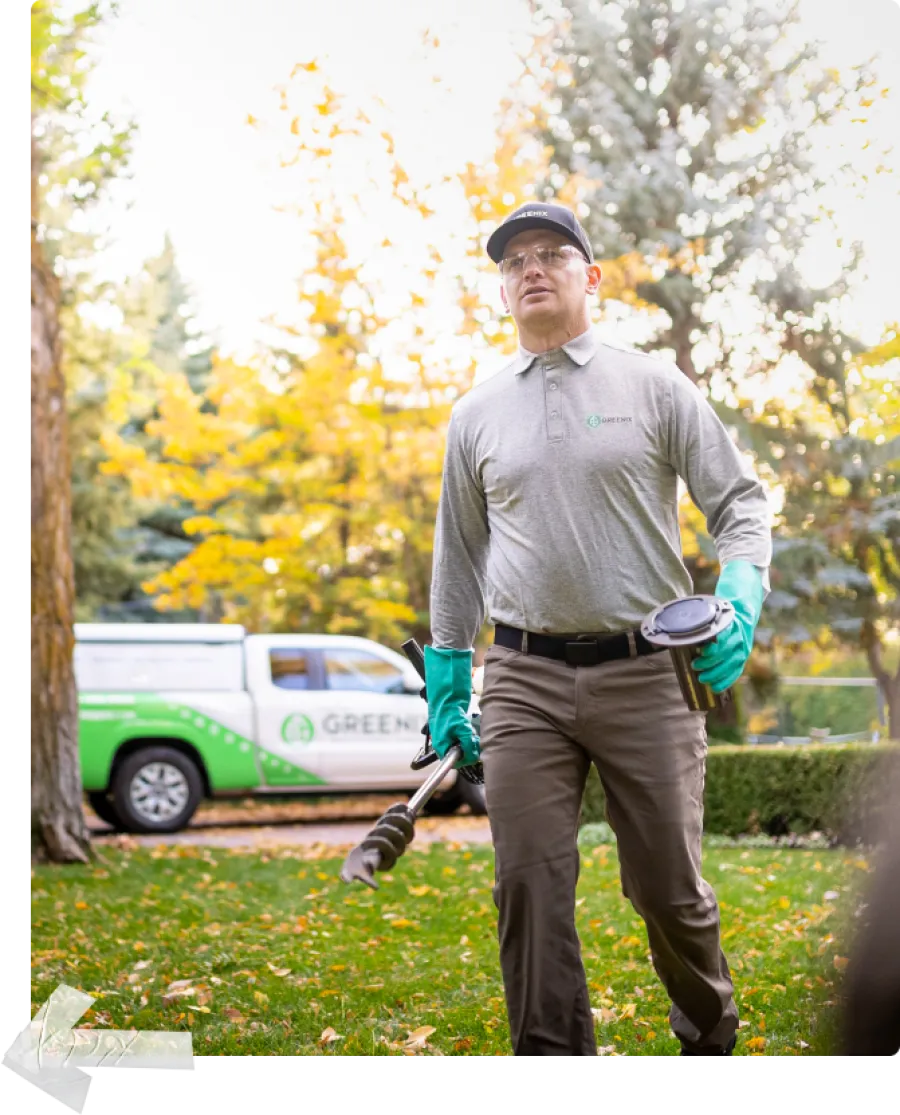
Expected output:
(313, 473)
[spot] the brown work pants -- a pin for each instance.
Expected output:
(543, 723)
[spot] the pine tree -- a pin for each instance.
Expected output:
(159, 335)
(694, 127)
(836, 569)
(694, 123)
(160, 323)
(104, 515)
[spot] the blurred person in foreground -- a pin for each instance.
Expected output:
(870, 1020)
(558, 521)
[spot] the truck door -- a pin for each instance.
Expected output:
(286, 682)
(373, 727)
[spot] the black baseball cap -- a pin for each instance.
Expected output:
(539, 214)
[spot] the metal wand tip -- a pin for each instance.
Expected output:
(359, 868)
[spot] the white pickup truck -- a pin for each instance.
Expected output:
(172, 713)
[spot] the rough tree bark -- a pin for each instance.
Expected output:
(58, 831)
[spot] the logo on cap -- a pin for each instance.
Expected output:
(531, 213)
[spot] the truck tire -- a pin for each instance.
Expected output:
(444, 801)
(105, 808)
(473, 796)
(157, 789)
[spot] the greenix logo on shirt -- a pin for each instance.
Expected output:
(595, 420)
(297, 728)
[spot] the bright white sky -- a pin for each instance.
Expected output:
(190, 71)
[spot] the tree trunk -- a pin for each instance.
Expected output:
(58, 831)
(889, 686)
(684, 349)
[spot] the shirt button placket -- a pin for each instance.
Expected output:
(553, 403)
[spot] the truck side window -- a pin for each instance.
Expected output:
(289, 668)
(347, 668)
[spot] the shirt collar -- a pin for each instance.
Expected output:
(580, 350)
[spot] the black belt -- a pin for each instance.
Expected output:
(577, 650)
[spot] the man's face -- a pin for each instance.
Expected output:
(537, 295)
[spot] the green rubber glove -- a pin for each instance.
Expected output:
(722, 662)
(448, 683)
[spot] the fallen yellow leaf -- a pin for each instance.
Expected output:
(756, 1043)
(232, 1015)
(401, 923)
(419, 892)
(841, 962)
(417, 1038)
(627, 1011)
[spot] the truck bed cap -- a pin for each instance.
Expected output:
(159, 632)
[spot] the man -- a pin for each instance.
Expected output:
(558, 520)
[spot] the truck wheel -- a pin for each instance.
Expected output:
(445, 801)
(105, 808)
(473, 796)
(157, 789)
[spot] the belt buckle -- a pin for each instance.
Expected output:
(584, 651)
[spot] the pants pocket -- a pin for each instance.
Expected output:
(660, 662)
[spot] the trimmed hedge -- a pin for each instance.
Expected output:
(836, 789)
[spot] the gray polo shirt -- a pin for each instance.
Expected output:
(559, 501)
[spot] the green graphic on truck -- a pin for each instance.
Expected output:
(298, 728)
(230, 759)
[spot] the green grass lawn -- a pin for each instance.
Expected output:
(270, 953)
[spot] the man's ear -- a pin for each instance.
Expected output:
(594, 276)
